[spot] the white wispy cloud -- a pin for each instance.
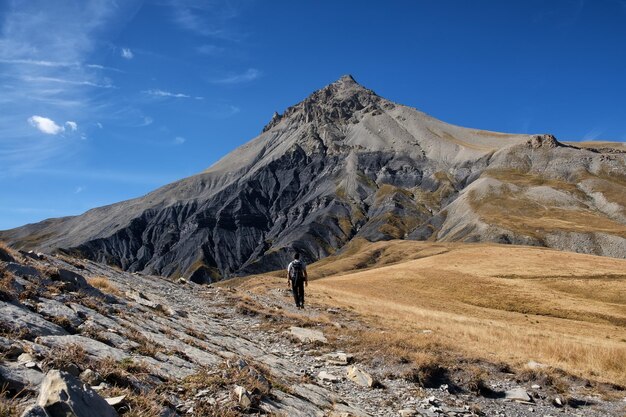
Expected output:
(73, 126)
(126, 53)
(207, 18)
(179, 140)
(106, 82)
(49, 126)
(79, 189)
(45, 125)
(249, 75)
(593, 134)
(163, 93)
(45, 69)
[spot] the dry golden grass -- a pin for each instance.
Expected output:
(104, 285)
(8, 250)
(495, 302)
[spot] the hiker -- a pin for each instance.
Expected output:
(297, 278)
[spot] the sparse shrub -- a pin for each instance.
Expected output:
(7, 290)
(195, 333)
(63, 322)
(104, 285)
(94, 304)
(68, 355)
(547, 377)
(146, 346)
(475, 382)
(7, 254)
(124, 374)
(13, 332)
(9, 403)
(144, 404)
(252, 377)
(428, 375)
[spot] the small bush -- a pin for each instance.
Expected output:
(104, 285)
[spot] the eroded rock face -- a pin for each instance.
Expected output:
(344, 163)
(62, 395)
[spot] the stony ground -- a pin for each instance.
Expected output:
(155, 347)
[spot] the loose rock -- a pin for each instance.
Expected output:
(63, 395)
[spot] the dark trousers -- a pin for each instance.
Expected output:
(297, 287)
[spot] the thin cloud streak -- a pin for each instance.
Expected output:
(593, 134)
(163, 93)
(250, 75)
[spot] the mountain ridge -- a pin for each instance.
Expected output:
(344, 163)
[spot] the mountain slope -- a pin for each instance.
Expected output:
(346, 163)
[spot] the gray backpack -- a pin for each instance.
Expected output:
(297, 271)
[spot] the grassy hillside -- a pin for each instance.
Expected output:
(501, 303)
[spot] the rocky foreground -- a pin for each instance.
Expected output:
(81, 339)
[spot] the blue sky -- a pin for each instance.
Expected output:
(103, 101)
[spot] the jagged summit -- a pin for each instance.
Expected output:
(345, 163)
(335, 102)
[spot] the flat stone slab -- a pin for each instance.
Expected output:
(20, 318)
(517, 394)
(57, 310)
(308, 335)
(93, 348)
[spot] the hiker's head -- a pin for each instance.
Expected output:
(296, 256)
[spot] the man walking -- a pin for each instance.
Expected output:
(297, 277)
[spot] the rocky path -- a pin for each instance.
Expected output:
(177, 348)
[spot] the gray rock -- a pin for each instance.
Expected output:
(62, 395)
(59, 311)
(74, 281)
(517, 394)
(20, 318)
(22, 270)
(24, 358)
(140, 298)
(326, 376)
(338, 358)
(113, 401)
(11, 349)
(93, 348)
(16, 377)
(360, 377)
(308, 335)
(35, 411)
(242, 396)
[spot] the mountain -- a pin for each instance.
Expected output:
(347, 163)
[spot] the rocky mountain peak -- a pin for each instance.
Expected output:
(335, 103)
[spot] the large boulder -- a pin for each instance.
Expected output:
(62, 395)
